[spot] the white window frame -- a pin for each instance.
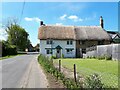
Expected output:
(49, 42)
(69, 42)
(49, 51)
(70, 51)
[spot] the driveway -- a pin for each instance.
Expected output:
(23, 72)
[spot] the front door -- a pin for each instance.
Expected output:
(58, 53)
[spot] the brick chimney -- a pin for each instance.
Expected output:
(101, 22)
(41, 23)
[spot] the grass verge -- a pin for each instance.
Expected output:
(10, 56)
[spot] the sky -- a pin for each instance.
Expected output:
(59, 13)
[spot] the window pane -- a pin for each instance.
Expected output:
(67, 42)
(51, 51)
(71, 42)
(47, 42)
(50, 41)
(47, 51)
(67, 50)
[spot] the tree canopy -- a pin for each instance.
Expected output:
(17, 36)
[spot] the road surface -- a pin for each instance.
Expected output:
(23, 72)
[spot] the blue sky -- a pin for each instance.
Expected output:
(66, 13)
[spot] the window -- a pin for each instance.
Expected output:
(69, 42)
(49, 51)
(81, 42)
(49, 42)
(69, 51)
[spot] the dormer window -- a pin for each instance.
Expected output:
(49, 42)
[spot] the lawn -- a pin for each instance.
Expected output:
(108, 70)
(10, 56)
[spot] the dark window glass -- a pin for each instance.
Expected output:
(50, 41)
(47, 52)
(67, 42)
(71, 42)
(47, 41)
(68, 50)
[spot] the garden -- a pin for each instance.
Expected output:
(106, 69)
(87, 73)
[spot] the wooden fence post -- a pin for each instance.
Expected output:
(59, 65)
(75, 73)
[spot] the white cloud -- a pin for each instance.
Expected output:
(28, 19)
(63, 17)
(58, 24)
(3, 34)
(36, 19)
(75, 18)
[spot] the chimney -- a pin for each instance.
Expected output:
(101, 22)
(41, 23)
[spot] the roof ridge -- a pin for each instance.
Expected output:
(71, 25)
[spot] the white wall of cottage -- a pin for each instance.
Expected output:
(62, 43)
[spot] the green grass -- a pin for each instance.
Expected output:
(10, 56)
(108, 70)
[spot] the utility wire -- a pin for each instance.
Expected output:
(22, 11)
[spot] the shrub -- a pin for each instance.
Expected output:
(108, 57)
(8, 49)
(62, 56)
(53, 57)
(101, 57)
(94, 82)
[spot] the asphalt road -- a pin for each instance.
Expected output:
(23, 72)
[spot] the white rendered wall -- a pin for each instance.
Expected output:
(62, 43)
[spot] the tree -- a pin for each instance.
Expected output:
(17, 35)
(8, 49)
(37, 47)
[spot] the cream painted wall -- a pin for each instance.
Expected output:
(62, 43)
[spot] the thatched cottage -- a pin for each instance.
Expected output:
(70, 41)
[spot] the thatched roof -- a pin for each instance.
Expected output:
(91, 33)
(56, 32)
(73, 32)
